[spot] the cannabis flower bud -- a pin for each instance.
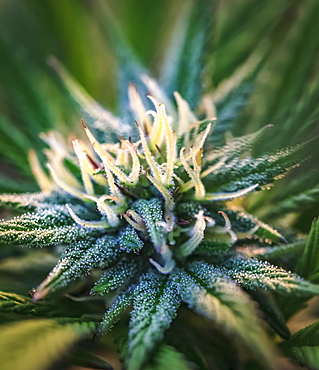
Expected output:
(153, 211)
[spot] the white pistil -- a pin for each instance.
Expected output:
(122, 157)
(154, 167)
(42, 179)
(194, 173)
(115, 192)
(198, 142)
(171, 140)
(186, 118)
(169, 262)
(85, 174)
(105, 209)
(159, 94)
(138, 108)
(136, 167)
(232, 195)
(91, 224)
(228, 227)
(63, 185)
(158, 129)
(196, 233)
(105, 157)
(134, 219)
(161, 124)
(213, 168)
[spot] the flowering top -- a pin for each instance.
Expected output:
(168, 161)
(151, 214)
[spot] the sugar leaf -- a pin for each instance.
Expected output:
(155, 305)
(254, 274)
(210, 292)
(79, 259)
(116, 276)
(130, 241)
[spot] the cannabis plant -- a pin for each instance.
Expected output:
(156, 248)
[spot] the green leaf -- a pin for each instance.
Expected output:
(105, 126)
(237, 173)
(268, 233)
(38, 344)
(183, 66)
(79, 259)
(211, 247)
(155, 305)
(168, 357)
(129, 68)
(240, 27)
(210, 292)
(230, 102)
(39, 201)
(151, 213)
(253, 274)
(130, 241)
(304, 346)
(9, 185)
(18, 76)
(116, 276)
(46, 227)
(26, 201)
(307, 356)
(119, 305)
(308, 264)
(294, 203)
(280, 252)
(83, 358)
(237, 147)
(271, 312)
(11, 302)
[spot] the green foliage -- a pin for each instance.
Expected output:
(130, 241)
(281, 252)
(116, 276)
(79, 259)
(308, 264)
(303, 199)
(249, 171)
(104, 124)
(163, 271)
(303, 346)
(254, 274)
(271, 312)
(186, 55)
(35, 344)
(10, 302)
(212, 294)
(37, 229)
(165, 355)
(84, 358)
(230, 103)
(155, 305)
